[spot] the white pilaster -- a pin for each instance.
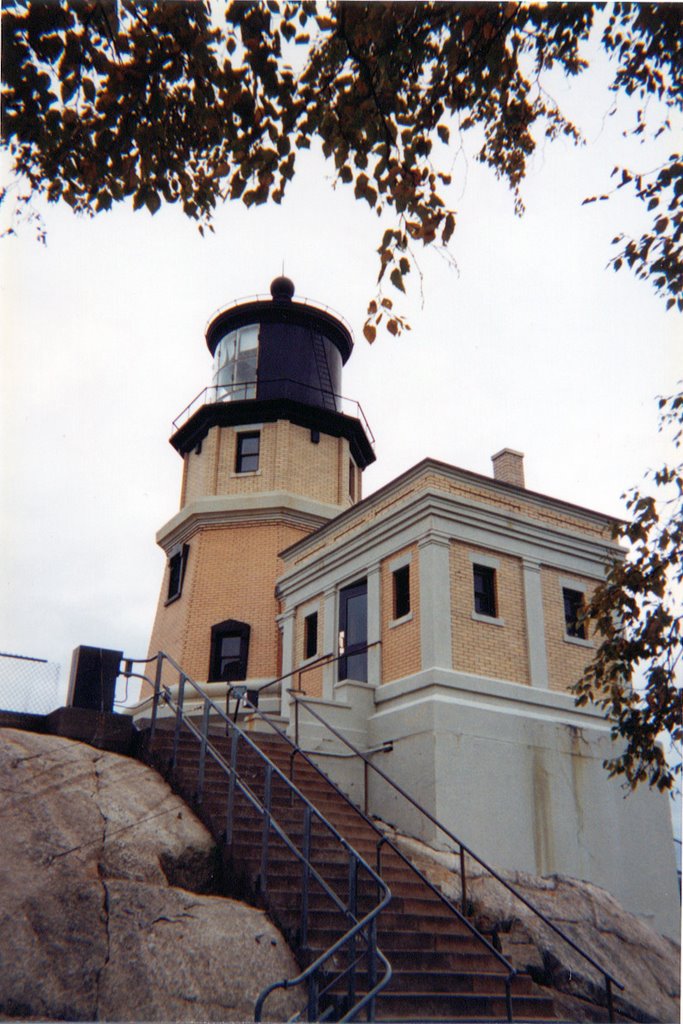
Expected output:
(435, 601)
(285, 623)
(535, 624)
(374, 625)
(330, 630)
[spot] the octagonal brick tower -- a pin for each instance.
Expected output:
(270, 452)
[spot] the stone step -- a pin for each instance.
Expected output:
(442, 971)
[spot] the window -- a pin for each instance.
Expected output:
(352, 480)
(176, 572)
(484, 590)
(401, 586)
(229, 651)
(573, 608)
(235, 364)
(248, 446)
(311, 635)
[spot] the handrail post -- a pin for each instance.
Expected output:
(178, 720)
(155, 701)
(463, 882)
(610, 1004)
(365, 788)
(263, 879)
(234, 739)
(305, 875)
(378, 858)
(372, 966)
(352, 906)
(312, 1009)
(508, 998)
(199, 794)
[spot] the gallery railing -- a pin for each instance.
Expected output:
(248, 389)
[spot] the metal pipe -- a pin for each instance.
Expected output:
(199, 793)
(508, 997)
(234, 739)
(463, 881)
(178, 721)
(353, 910)
(155, 702)
(265, 835)
(305, 876)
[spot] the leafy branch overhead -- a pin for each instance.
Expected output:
(118, 101)
(636, 673)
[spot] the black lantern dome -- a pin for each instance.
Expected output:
(277, 358)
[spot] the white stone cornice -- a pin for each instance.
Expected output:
(232, 510)
(432, 516)
(490, 489)
(496, 695)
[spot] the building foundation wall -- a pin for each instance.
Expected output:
(521, 782)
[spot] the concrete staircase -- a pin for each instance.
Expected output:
(441, 971)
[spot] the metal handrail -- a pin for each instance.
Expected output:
(365, 928)
(383, 840)
(320, 662)
(463, 848)
(201, 399)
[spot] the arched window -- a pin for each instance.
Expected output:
(229, 651)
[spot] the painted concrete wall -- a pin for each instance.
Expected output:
(515, 773)
(519, 778)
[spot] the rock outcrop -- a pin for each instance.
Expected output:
(647, 964)
(96, 920)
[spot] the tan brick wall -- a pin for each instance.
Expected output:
(484, 648)
(480, 493)
(288, 461)
(400, 644)
(312, 679)
(566, 658)
(200, 469)
(231, 573)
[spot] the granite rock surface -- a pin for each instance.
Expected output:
(106, 911)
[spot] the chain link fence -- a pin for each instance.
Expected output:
(28, 685)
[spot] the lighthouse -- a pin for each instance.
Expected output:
(271, 451)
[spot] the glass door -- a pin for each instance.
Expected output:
(353, 632)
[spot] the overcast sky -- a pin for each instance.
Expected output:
(531, 343)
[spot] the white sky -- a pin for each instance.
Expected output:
(531, 344)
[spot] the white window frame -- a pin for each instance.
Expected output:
(566, 583)
(394, 565)
(489, 563)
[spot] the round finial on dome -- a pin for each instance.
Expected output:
(282, 289)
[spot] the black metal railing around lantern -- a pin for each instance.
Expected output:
(301, 302)
(249, 389)
(330, 981)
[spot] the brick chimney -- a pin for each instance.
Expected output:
(508, 466)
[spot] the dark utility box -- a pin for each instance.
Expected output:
(92, 683)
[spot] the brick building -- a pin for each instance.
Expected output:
(435, 621)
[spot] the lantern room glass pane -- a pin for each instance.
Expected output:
(235, 364)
